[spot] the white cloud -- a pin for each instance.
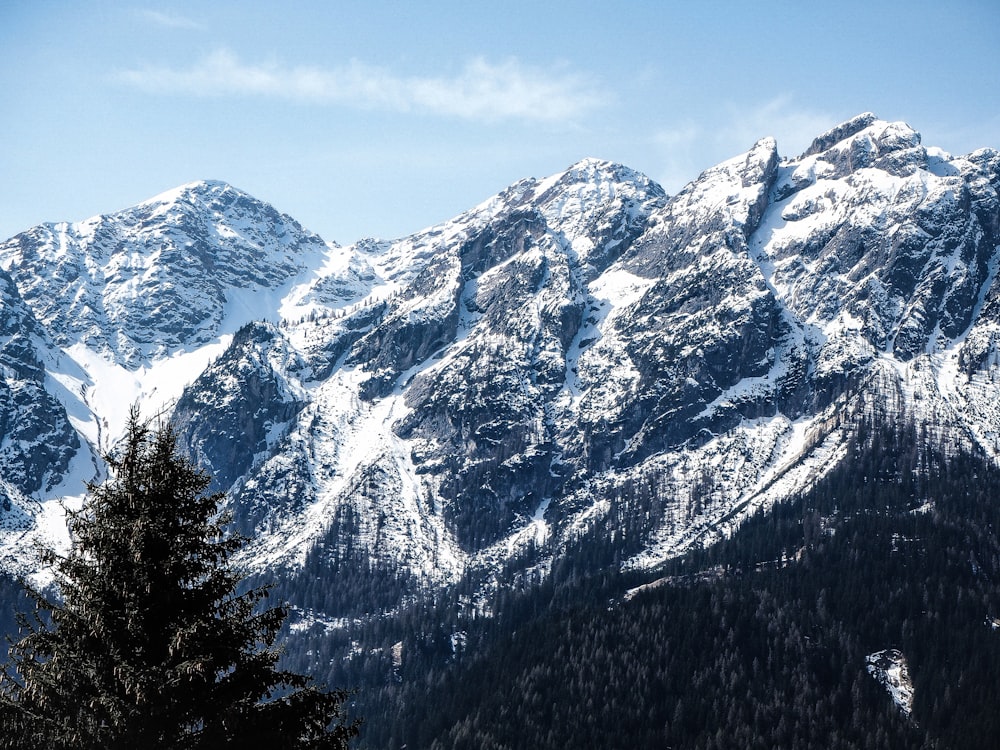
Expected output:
(482, 91)
(170, 20)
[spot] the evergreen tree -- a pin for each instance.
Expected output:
(152, 644)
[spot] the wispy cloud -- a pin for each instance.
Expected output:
(169, 20)
(483, 90)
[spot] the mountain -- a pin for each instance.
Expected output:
(517, 377)
(39, 441)
(498, 385)
(155, 279)
(580, 373)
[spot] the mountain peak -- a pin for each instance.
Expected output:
(884, 135)
(212, 194)
(592, 163)
(592, 170)
(600, 177)
(748, 169)
(160, 276)
(840, 132)
(194, 188)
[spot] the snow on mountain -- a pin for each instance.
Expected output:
(874, 261)
(890, 668)
(39, 448)
(443, 327)
(161, 277)
(128, 308)
(37, 441)
(580, 357)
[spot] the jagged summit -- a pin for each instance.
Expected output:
(188, 202)
(196, 189)
(866, 141)
(592, 169)
(840, 132)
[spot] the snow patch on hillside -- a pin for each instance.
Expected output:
(346, 438)
(890, 669)
(753, 467)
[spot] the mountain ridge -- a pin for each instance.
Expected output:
(513, 377)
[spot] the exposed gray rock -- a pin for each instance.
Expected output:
(155, 278)
(577, 358)
(240, 406)
(38, 441)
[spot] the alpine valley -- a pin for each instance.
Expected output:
(588, 465)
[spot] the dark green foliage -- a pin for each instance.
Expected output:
(152, 645)
(758, 642)
(12, 600)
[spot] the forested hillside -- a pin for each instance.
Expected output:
(759, 642)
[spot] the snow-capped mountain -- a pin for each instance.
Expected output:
(576, 356)
(155, 279)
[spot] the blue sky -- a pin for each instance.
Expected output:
(380, 118)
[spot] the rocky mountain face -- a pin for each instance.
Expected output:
(153, 280)
(38, 438)
(577, 357)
